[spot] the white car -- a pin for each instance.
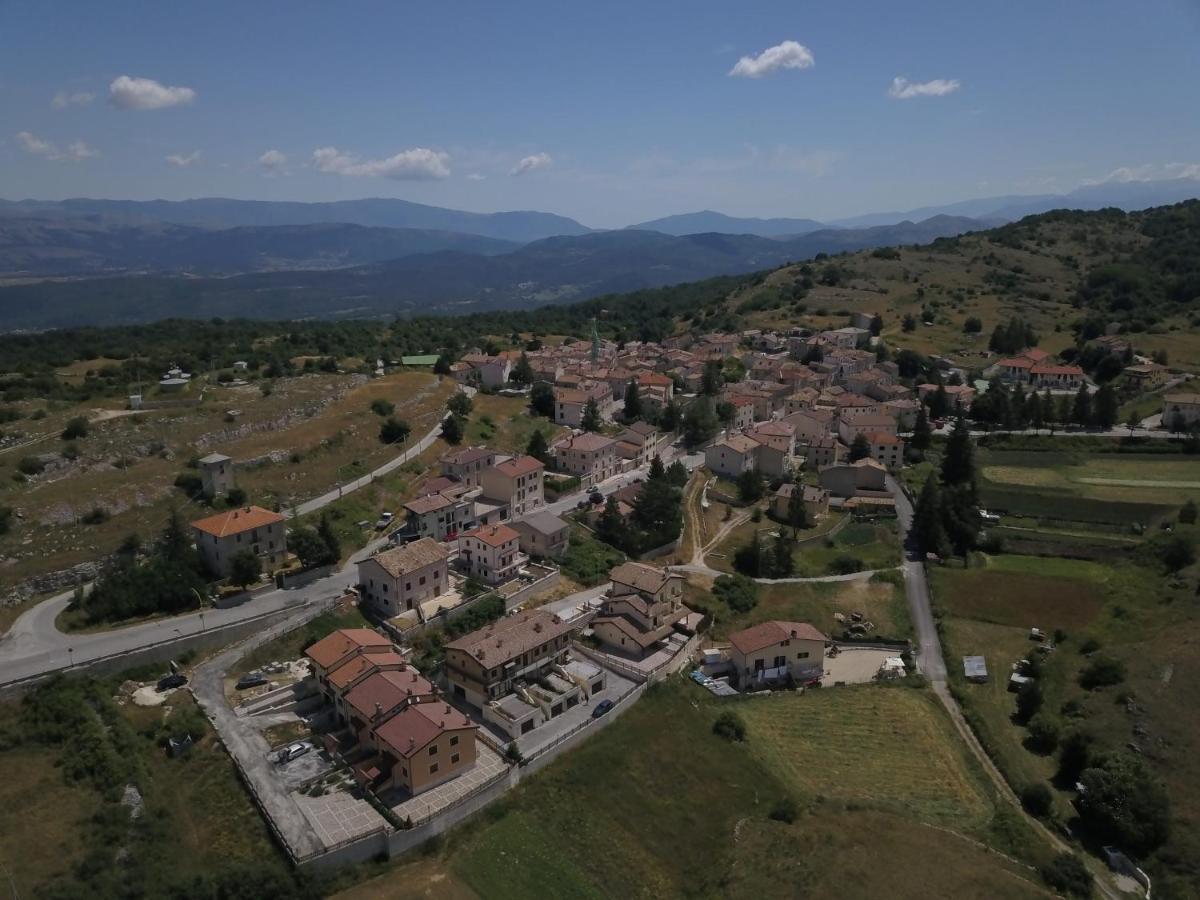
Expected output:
(292, 751)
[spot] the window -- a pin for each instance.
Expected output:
(454, 741)
(422, 581)
(433, 769)
(803, 655)
(433, 750)
(408, 585)
(454, 759)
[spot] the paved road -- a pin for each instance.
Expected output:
(606, 487)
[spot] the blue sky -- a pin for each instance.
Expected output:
(620, 111)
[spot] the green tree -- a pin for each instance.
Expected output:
(460, 404)
(908, 323)
(452, 430)
(712, 379)
(245, 568)
(610, 527)
(6, 519)
(939, 401)
(308, 547)
(1034, 413)
(748, 559)
(1187, 513)
(750, 486)
(333, 544)
(442, 366)
(960, 518)
(541, 400)
(657, 470)
(781, 557)
(1106, 407)
(737, 592)
(591, 420)
(1067, 874)
(860, 448)
(700, 422)
(382, 407)
(958, 462)
(927, 519)
(393, 430)
(922, 436)
(77, 427)
(522, 372)
(1124, 803)
(668, 420)
(538, 448)
(797, 513)
(633, 401)
(1081, 408)
(677, 473)
(1133, 421)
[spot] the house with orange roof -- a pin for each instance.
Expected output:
(421, 746)
(340, 647)
(221, 537)
(492, 553)
(775, 651)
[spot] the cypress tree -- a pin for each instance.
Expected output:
(958, 463)
(927, 519)
(922, 435)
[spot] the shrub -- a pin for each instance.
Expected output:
(1102, 671)
(189, 483)
(1029, 701)
(1037, 799)
(785, 810)
(236, 497)
(1091, 645)
(1124, 803)
(30, 465)
(382, 408)
(97, 515)
(845, 565)
(1043, 733)
(1067, 873)
(730, 726)
(738, 592)
(76, 428)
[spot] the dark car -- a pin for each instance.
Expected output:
(174, 680)
(601, 708)
(596, 497)
(251, 679)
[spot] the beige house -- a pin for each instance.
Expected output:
(822, 451)
(467, 465)
(816, 501)
(543, 535)
(641, 609)
(489, 663)
(852, 425)
(863, 478)
(443, 514)
(221, 537)
(517, 483)
(641, 442)
(492, 553)
(340, 647)
(774, 651)
(1180, 410)
(886, 449)
(421, 746)
(592, 457)
(402, 578)
(570, 403)
(733, 455)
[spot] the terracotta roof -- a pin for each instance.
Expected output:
(467, 455)
(237, 521)
(349, 671)
(410, 557)
(878, 437)
(868, 419)
(588, 442)
(1042, 369)
(387, 690)
(640, 577)
(428, 503)
(510, 637)
(1017, 362)
(436, 485)
(335, 647)
(641, 638)
(654, 378)
(493, 535)
(739, 443)
(519, 465)
(759, 637)
(415, 727)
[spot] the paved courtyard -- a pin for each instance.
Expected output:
(615, 687)
(854, 666)
(488, 766)
(339, 816)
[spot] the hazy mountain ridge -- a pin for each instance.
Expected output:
(707, 220)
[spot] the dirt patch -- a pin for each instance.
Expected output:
(1020, 599)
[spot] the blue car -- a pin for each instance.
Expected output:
(601, 708)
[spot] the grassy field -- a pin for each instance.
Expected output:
(289, 646)
(306, 435)
(504, 423)
(574, 831)
(1132, 613)
(881, 602)
(875, 546)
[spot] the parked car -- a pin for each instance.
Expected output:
(582, 504)
(250, 679)
(601, 708)
(174, 680)
(292, 751)
(596, 497)
(385, 519)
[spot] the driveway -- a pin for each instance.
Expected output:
(615, 687)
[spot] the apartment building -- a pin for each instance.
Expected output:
(489, 663)
(400, 579)
(592, 457)
(221, 537)
(467, 465)
(492, 553)
(517, 483)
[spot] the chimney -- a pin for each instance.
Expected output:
(378, 710)
(538, 627)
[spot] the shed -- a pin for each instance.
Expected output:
(975, 669)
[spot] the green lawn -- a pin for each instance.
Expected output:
(291, 645)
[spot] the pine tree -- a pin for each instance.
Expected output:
(668, 420)
(657, 470)
(960, 517)
(781, 562)
(927, 519)
(958, 462)
(537, 447)
(1016, 406)
(700, 422)
(333, 545)
(610, 526)
(175, 544)
(711, 381)
(1081, 408)
(922, 436)
(1063, 409)
(859, 448)
(591, 416)
(939, 401)
(1033, 411)
(633, 402)
(1106, 408)
(797, 513)
(748, 559)
(452, 430)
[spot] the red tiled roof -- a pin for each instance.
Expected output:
(493, 535)
(237, 521)
(416, 727)
(758, 637)
(349, 671)
(385, 691)
(336, 646)
(519, 465)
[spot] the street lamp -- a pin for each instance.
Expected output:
(200, 600)
(71, 657)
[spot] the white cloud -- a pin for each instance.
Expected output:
(76, 150)
(1148, 172)
(418, 164)
(475, 176)
(788, 55)
(182, 160)
(273, 161)
(532, 164)
(903, 89)
(145, 93)
(80, 98)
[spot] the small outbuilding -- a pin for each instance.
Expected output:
(975, 669)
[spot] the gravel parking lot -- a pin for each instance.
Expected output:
(300, 771)
(854, 666)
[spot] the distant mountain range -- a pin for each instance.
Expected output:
(554, 270)
(709, 221)
(216, 212)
